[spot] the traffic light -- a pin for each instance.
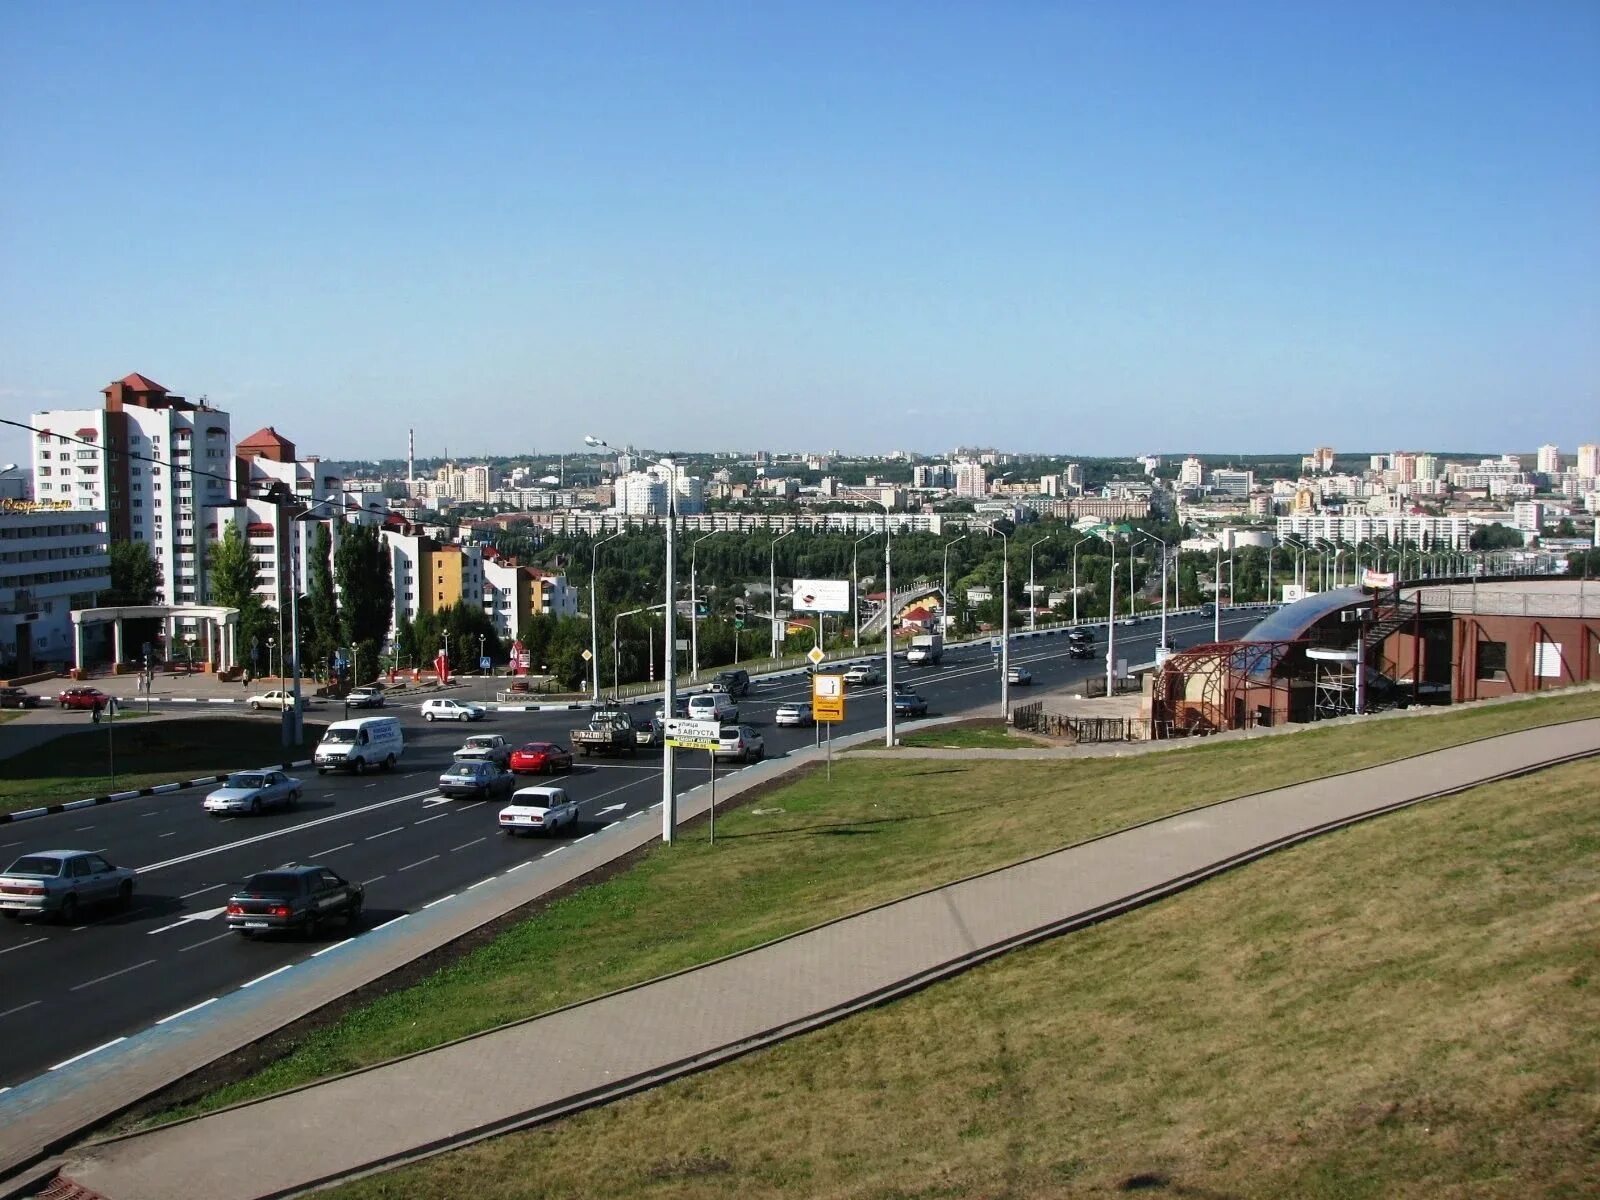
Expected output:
(738, 614)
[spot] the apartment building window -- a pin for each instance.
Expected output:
(1492, 660)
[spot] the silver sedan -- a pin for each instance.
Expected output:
(61, 882)
(252, 791)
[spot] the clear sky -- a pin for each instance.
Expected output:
(1065, 227)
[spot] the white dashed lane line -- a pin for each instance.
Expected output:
(23, 945)
(207, 942)
(268, 975)
(420, 862)
(184, 1012)
(425, 820)
(464, 845)
(201, 891)
(78, 987)
(335, 850)
(374, 837)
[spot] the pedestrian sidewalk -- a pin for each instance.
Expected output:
(596, 1051)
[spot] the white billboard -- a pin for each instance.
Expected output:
(821, 595)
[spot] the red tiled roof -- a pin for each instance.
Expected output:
(263, 438)
(917, 614)
(138, 383)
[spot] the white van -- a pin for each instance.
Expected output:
(359, 744)
(713, 706)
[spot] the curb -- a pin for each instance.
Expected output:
(47, 810)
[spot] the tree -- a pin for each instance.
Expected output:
(134, 579)
(1496, 537)
(361, 569)
(233, 579)
(321, 611)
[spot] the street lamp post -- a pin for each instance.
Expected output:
(1111, 622)
(594, 614)
(694, 606)
(1164, 548)
(1005, 623)
(772, 586)
(1033, 597)
(616, 658)
(1076, 546)
(944, 588)
(1216, 596)
(855, 583)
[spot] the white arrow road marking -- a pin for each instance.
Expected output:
(611, 808)
(438, 800)
(187, 917)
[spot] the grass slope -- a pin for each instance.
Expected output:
(810, 852)
(1410, 1007)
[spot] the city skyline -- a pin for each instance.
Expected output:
(1239, 231)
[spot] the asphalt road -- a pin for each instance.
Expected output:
(65, 991)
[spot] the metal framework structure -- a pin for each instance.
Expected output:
(1217, 687)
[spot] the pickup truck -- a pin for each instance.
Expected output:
(610, 731)
(488, 747)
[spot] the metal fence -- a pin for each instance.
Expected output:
(1032, 718)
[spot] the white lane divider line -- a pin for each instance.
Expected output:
(440, 900)
(87, 1053)
(335, 946)
(174, 833)
(419, 863)
(474, 804)
(335, 850)
(268, 975)
(548, 853)
(18, 1008)
(390, 922)
(479, 884)
(436, 817)
(374, 879)
(78, 987)
(23, 946)
(453, 849)
(201, 891)
(207, 942)
(186, 1011)
(519, 867)
(375, 836)
(587, 836)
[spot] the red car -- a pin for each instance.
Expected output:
(82, 697)
(541, 758)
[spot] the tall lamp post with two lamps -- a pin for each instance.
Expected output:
(944, 587)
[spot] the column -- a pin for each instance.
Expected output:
(116, 641)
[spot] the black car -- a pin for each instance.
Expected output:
(15, 697)
(295, 897)
(735, 682)
(1079, 650)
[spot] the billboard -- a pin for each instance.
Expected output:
(821, 595)
(1378, 580)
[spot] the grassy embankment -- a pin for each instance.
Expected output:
(809, 852)
(147, 752)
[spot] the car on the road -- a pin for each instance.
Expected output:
(1019, 676)
(863, 673)
(794, 715)
(736, 682)
(296, 897)
(713, 706)
(909, 704)
(442, 708)
(81, 697)
(252, 791)
(651, 732)
(741, 742)
(370, 696)
(1079, 650)
(491, 747)
(541, 758)
(1081, 636)
(60, 883)
(539, 810)
(276, 698)
(476, 779)
(15, 697)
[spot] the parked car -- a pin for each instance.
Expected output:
(538, 810)
(541, 758)
(476, 779)
(1019, 676)
(794, 715)
(863, 673)
(15, 697)
(442, 708)
(370, 696)
(252, 791)
(741, 742)
(491, 747)
(909, 704)
(276, 698)
(295, 897)
(81, 697)
(59, 883)
(735, 682)
(713, 706)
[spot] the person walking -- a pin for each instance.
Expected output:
(95, 714)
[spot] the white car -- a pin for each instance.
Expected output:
(491, 747)
(863, 673)
(794, 715)
(538, 810)
(276, 698)
(713, 706)
(1020, 676)
(741, 742)
(443, 709)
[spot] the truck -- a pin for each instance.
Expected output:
(610, 731)
(926, 648)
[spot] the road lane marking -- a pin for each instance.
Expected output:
(335, 850)
(374, 879)
(425, 820)
(81, 828)
(201, 891)
(440, 900)
(374, 837)
(268, 975)
(391, 921)
(453, 849)
(23, 946)
(276, 833)
(174, 833)
(479, 884)
(86, 1053)
(207, 942)
(18, 1008)
(335, 946)
(78, 987)
(184, 1012)
(423, 862)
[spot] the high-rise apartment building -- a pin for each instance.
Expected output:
(1549, 459)
(1234, 483)
(1426, 467)
(971, 482)
(161, 466)
(1589, 461)
(1319, 461)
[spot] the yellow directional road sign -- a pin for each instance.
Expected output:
(827, 697)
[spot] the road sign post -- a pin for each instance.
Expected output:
(827, 707)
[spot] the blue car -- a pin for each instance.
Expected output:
(909, 704)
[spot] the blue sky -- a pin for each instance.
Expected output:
(1069, 228)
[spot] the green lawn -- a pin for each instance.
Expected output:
(812, 851)
(993, 735)
(1410, 1007)
(146, 752)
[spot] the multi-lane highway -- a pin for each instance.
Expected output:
(66, 990)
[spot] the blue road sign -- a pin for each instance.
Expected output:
(483, 663)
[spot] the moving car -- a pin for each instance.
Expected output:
(60, 882)
(252, 791)
(1079, 650)
(538, 810)
(741, 742)
(864, 673)
(293, 897)
(475, 778)
(1019, 676)
(794, 715)
(490, 747)
(650, 733)
(441, 708)
(81, 697)
(370, 696)
(713, 706)
(909, 704)
(735, 682)
(360, 743)
(541, 758)
(15, 697)
(276, 698)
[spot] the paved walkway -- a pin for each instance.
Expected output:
(599, 1050)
